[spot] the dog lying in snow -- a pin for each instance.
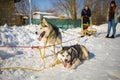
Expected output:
(71, 56)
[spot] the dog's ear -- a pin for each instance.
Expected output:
(70, 50)
(59, 52)
(45, 22)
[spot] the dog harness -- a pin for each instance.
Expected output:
(77, 54)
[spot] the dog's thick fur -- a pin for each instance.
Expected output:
(50, 34)
(73, 55)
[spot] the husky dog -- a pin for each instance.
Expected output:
(50, 34)
(71, 56)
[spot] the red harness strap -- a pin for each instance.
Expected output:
(21, 47)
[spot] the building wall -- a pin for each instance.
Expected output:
(7, 13)
(36, 16)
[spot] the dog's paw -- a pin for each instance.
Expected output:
(55, 63)
(52, 65)
(68, 66)
(73, 67)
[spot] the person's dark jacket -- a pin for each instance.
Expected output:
(111, 13)
(86, 14)
(111, 16)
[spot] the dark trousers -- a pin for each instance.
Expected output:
(86, 20)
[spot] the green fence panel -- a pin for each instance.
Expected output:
(65, 23)
(61, 23)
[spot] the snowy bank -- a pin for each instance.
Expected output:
(104, 63)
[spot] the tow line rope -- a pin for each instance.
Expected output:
(23, 68)
(41, 56)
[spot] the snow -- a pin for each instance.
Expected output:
(104, 63)
(45, 13)
(50, 17)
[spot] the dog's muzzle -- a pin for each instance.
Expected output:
(41, 35)
(64, 63)
(36, 33)
(66, 60)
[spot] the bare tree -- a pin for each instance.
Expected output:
(35, 8)
(68, 7)
(99, 10)
(23, 7)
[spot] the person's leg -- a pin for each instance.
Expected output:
(113, 28)
(109, 28)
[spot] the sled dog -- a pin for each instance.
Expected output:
(50, 35)
(71, 56)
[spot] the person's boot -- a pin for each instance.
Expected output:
(112, 36)
(107, 36)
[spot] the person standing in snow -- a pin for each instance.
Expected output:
(85, 19)
(112, 19)
(86, 14)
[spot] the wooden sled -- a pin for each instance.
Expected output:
(86, 29)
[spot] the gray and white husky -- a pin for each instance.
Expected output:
(71, 56)
(50, 34)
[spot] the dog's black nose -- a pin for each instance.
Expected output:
(66, 60)
(36, 32)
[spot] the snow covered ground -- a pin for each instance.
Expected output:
(104, 63)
